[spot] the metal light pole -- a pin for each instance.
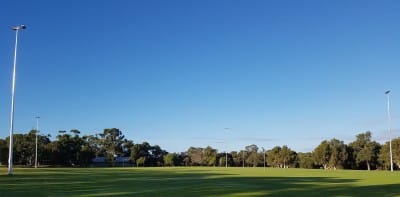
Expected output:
(243, 159)
(264, 157)
(10, 153)
(226, 150)
(37, 131)
(390, 130)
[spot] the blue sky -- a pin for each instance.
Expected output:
(176, 73)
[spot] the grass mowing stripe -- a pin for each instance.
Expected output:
(196, 181)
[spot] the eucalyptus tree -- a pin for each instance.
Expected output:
(145, 154)
(171, 159)
(3, 151)
(287, 157)
(24, 147)
(209, 156)
(365, 150)
(139, 152)
(156, 156)
(322, 154)
(236, 158)
(112, 141)
(195, 155)
(273, 157)
(281, 157)
(67, 149)
(253, 158)
(384, 157)
(338, 154)
(305, 160)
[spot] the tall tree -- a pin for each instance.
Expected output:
(62, 150)
(396, 151)
(287, 156)
(305, 160)
(140, 151)
(322, 154)
(338, 154)
(384, 155)
(195, 156)
(3, 152)
(273, 157)
(365, 150)
(209, 156)
(171, 159)
(112, 141)
(236, 158)
(252, 158)
(281, 157)
(156, 156)
(242, 156)
(25, 145)
(87, 151)
(145, 154)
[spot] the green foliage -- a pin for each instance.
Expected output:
(111, 141)
(281, 157)
(330, 154)
(322, 154)
(384, 154)
(70, 149)
(365, 151)
(171, 159)
(141, 161)
(252, 155)
(305, 160)
(195, 156)
(153, 155)
(338, 154)
(3, 151)
(210, 156)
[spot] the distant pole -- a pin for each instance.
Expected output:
(264, 157)
(243, 158)
(36, 149)
(10, 153)
(226, 148)
(390, 130)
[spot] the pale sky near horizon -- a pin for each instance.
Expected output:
(176, 73)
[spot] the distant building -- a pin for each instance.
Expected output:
(118, 161)
(99, 160)
(122, 159)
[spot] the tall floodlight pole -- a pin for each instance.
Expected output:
(10, 153)
(36, 148)
(390, 130)
(226, 146)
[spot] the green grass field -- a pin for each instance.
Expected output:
(196, 181)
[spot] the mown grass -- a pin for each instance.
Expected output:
(196, 181)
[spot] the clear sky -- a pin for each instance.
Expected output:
(176, 73)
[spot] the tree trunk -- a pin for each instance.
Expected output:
(369, 168)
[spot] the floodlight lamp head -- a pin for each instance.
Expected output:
(387, 92)
(19, 27)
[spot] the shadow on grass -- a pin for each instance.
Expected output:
(177, 182)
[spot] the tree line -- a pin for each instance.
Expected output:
(73, 149)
